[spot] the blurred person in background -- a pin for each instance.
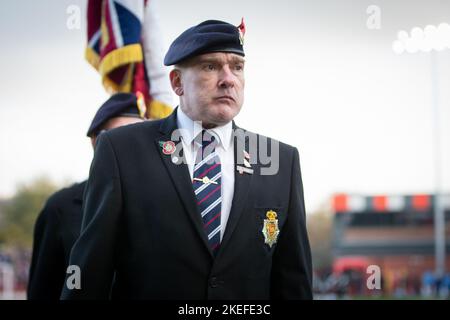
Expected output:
(58, 224)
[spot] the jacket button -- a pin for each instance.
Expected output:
(213, 283)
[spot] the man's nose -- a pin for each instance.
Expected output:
(227, 78)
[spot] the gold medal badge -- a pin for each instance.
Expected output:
(270, 229)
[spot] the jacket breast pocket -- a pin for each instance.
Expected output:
(269, 225)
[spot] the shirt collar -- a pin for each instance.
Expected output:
(191, 129)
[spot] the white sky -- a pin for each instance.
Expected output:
(316, 78)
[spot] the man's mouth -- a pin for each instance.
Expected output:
(225, 97)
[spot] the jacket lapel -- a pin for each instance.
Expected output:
(241, 186)
(180, 176)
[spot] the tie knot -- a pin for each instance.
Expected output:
(206, 139)
(207, 142)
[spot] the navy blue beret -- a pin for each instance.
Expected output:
(208, 36)
(118, 105)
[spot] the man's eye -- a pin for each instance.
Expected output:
(239, 67)
(210, 67)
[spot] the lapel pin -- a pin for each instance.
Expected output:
(246, 159)
(168, 147)
(242, 169)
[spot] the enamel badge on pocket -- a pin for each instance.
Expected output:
(270, 229)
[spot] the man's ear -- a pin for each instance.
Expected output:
(175, 81)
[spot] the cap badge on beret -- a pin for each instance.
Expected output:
(241, 29)
(141, 104)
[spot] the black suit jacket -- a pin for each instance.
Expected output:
(141, 221)
(56, 230)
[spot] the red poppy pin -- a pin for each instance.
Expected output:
(168, 147)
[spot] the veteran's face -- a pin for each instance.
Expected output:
(210, 87)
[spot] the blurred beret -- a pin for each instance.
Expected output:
(206, 37)
(118, 105)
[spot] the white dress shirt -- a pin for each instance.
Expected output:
(189, 129)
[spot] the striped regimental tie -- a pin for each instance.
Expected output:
(207, 186)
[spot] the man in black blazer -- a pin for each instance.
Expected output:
(192, 206)
(58, 224)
